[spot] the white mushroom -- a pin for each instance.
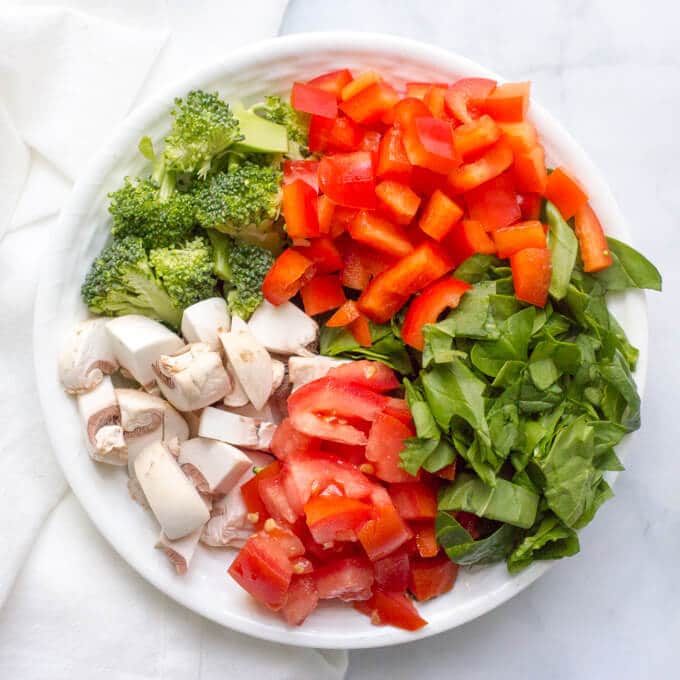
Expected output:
(237, 395)
(192, 378)
(278, 374)
(137, 343)
(302, 370)
(265, 413)
(173, 499)
(203, 321)
(238, 324)
(180, 551)
(251, 364)
(238, 430)
(100, 415)
(285, 329)
(219, 465)
(86, 357)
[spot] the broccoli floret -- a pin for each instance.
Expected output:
(243, 202)
(121, 281)
(296, 123)
(137, 210)
(204, 127)
(186, 271)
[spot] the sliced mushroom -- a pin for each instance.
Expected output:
(180, 551)
(100, 415)
(238, 430)
(203, 321)
(302, 370)
(192, 378)
(278, 374)
(285, 329)
(219, 465)
(251, 364)
(172, 497)
(237, 395)
(86, 357)
(137, 343)
(265, 413)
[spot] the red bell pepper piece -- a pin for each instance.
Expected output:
(434, 100)
(323, 253)
(530, 206)
(496, 160)
(319, 133)
(370, 104)
(322, 293)
(361, 331)
(429, 144)
(399, 201)
(419, 90)
(426, 541)
(469, 522)
(307, 171)
(494, 203)
(326, 211)
(300, 210)
(380, 234)
(345, 315)
(531, 270)
(439, 216)
(433, 577)
(467, 238)
(475, 136)
(393, 163)
(510, 240)
(408, 109)
(361, 82)
(565, 192)
(332, 82)
(507, 103)
(460, 97)
(592, 241)
(349, 179)
(310, 99)
(288, 274)
(371, 143)
(529, 171)
(521, 136)
(345, 135)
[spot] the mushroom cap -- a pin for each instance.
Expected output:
(283, 329)
(203, 321)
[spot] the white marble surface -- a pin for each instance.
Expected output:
(610, 71)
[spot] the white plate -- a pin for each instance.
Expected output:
(267, 67)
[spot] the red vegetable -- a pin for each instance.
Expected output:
(287, 275)
(361, 82)
(332, 82)
(345, 315)
(307, 171)
(380, 234)
(301, 599)
(475, 136)
(510, 240)
(521, 136)
(372, 374)
(467, 238)
(287, 440)
(361, 331)
(429, 144)
(565, 192)
(439, 216)
(385, 443)
(300, 210)
(345, 135)
(399, 201)
(414, 500)
(368, 105)
(348, 179)
(394, 609)
(460, 97)
(335, 518)
(591, 238)
(324, 254)
(383, 535)
(494, 203)
(250, 491)
(426, 541)
(495, 161)
(392, 572)
(432, 577)
(314, 100)
(348, 579)
(531, 271)
(507, 103)
(322, 293)
(529, 171)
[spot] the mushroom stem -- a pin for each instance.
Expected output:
(234, 429)
(203, 321)
(180, 551)
(219, 464)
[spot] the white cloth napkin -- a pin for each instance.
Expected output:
(69, 606)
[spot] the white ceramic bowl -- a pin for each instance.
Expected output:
(267, 67)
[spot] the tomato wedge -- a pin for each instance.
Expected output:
(385, 443)
(592, 241)
(495, 161)
(460, 97)
(429, 144)
(287, 275)
(300, 210)
(414, 500)
(427, 307)
(392, 572)
(510, 240)
(348, 179)
(432, 577)
(475, 136)
(332, 82)
(508, 103)
(348, 580)
(307, 171)
(426, 541)
(275, 499)
(494, 203)
(311, 99)
(335, 518)
(467, 238)
(250, 491)
(323, 253)
(380, 234)
(301, 600)
(322, 294)
(393, 163)
(345, 315)
(439, 216)
(531, 270)
(366, 373)
(565, 192)
(287, 440)
(368, 105)
(384, 534)
(394, 609)
(398, 200)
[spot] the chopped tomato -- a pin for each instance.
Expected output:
(414, 500)
(287, 275)
(426, 541)
(348, 179)
(439, 216)
(389, 291)
(429, 144)
(250, 491)
(323, 253)
(565, 192)
(287, 440)
(529, 171)
(592, 241)
(399, 201)
(322, 293)
(459, 98)
(361, 82)
(332, 82)
(434, 100)
(448, 472)
(352, 454)
(431, 578)
(531, 270)
(508, 103)
(394, 609)
(314, 100)
(408, 109)
(510, 240)
(495, 161)
(384, 534)
(361, 331)
(274, 497)
(521, 136)
(300, 210)
(307, 171)
(469, 522)
(427, 307)
(475, 136)
(345, 135)
(335, 518)
(385, 443)
(319, 133)
(467, 238)
(371, 374)
(323, 408)
(345, 315)
(398, 408)
(349, 579)
(530, 206)
(393, 163)
(494, 203)
(368, 105)
(392, 572)
(301, 599)
(380, 234)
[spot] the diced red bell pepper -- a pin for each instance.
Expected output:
(311, 99)
(414, 500)
(494, 203)
(288, 274)
(469, 522)
(425, 182)
(393, 163)
(426, 541)
(521, 136)
(345, 315)
(274, 497)
(592, 241)
(460, 96)
(342, 216)
(530, 206)
(380, 234)
(408, 109)
(529, 171)
(426, 308)
(429, 144)
(319, 133)
(332, 82)
(439, 216)
(496, 160)
(287, 440)
(434, 100)
(508, 103)
(510, 240)
(475, 136)
(361, 82)
(307, 171)
(531, 270)
(348, 179)
(392, 572)
(385, 443)
(398, 200)
(467, 238)
(565, 192)
(384, 534)
(326, 211)
(348, 580)
(448, 472)
(370, 104)
(345, 135)
(300, 210)
(431, 578)
(301, 599)
(373, 374)
(361, 331)
(324, 254)
(354, 273)
(393, 609)
(419, 90)
(322, 293)
(335, 518)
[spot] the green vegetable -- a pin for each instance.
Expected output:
(629, 269)
(274, 109)
(564, 247)
(259, 134)
(122, 281)
(550, 540)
